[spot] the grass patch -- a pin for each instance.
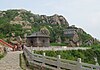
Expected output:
(57, 44)
(2, 55)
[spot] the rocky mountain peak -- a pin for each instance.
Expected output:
(58, 19)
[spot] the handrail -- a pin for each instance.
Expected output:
(56, 63)
(5, 43)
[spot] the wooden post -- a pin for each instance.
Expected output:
(31, 49)
(58, 62)
(43, 53)
(43, 63)
(79, 66)
(33, 52)
(95, 58)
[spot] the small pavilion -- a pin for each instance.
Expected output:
(38, 39)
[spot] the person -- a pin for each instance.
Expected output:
(19, 47)
(15, 47)
(22, 46)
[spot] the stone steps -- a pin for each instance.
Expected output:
(11, 61)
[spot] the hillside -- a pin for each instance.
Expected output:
(19, 23)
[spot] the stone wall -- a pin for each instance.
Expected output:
(38, 42)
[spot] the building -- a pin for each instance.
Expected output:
(38, 39)
(70, 32)
(72, 36)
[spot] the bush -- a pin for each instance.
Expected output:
(1, 56)
(57, 44)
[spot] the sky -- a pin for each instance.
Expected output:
(84, 14)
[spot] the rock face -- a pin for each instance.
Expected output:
(55, 19)
(76, 37)
(58, 19)
(2, 14)
(26, 18)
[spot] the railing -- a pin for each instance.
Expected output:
(55, 48)
(5, 43)
(56, 63)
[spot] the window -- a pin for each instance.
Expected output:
(43, 41)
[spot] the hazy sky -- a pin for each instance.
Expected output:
(82, 13)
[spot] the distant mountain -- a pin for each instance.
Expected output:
(20, 22)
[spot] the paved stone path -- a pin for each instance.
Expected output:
(10, 61)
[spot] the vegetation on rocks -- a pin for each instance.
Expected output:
(21, 22)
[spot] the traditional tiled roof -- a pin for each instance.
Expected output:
(38, 34)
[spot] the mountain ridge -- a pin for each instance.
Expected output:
(20, 22)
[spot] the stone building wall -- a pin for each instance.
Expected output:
(38, 42)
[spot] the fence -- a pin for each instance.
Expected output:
(56, 63)
(55, 48)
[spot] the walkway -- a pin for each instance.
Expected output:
(10, 61)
